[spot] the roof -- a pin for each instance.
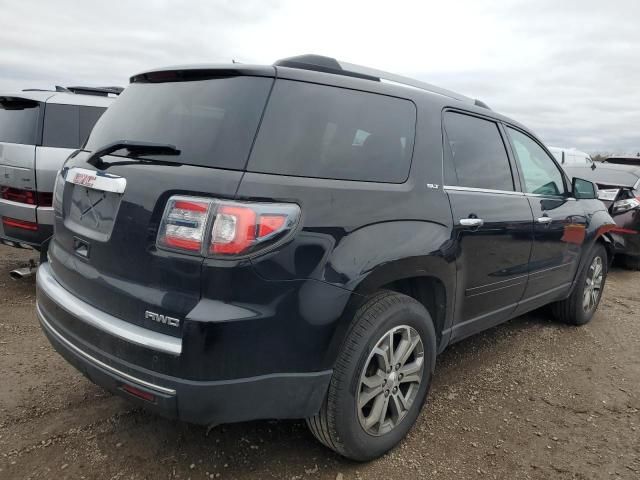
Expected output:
(326, 70)
(608, 174)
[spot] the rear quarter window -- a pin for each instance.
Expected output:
(19, 121)
(321, 131)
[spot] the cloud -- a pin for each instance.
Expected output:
(568, 69)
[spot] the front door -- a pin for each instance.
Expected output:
(492, 224)
(559, 222)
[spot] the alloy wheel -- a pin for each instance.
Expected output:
(593, 284)
(390, 380)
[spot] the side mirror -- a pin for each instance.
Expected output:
(584, 189)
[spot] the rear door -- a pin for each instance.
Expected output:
(559, 221)
(107, 219)
(20, 130)
(492, 223)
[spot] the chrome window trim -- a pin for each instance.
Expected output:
(103, 321)
(481, 190)
(637, 185)
(95, 361)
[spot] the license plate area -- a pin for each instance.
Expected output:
(91, 203)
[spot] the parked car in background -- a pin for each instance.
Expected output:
(301, 240)
(38, 131)
(619, 187)
(571, 156)
(623, 159)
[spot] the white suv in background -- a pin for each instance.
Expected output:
(571, 157)
(38, 130)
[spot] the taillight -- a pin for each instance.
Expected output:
(237, 228)
(29, 197)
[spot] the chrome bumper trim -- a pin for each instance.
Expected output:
(98, 363)
(102, 320)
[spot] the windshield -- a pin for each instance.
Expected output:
(19, 120)
(211, 122)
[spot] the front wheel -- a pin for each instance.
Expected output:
(381, 378)
(583, 302)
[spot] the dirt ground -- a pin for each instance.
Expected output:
(528, 399)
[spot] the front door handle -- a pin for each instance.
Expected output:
(471, 222)
(544, 220)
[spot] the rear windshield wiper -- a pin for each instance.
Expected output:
(136, 148)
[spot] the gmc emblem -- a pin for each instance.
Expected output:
(157, 317)
(84, 179)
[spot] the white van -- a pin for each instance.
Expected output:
(571, 157)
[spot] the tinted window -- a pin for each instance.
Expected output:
(326, 132)
(19, 121)
(476, 155)
(540, 173)
(68, 126)
(212, 122)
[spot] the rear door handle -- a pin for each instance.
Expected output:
(471, 222)
(544, 220)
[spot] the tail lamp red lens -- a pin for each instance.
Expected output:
(29, 197)
(228, 228)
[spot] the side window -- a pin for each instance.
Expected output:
(68, 126)
(327, 132)
(475, 155)
(539, 172)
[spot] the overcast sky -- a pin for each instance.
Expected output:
(569, 69)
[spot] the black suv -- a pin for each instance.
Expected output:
(301, 240)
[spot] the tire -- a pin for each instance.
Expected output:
(632, 263)
(384, 318)
(574, 310)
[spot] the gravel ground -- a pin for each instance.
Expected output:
(527, 399)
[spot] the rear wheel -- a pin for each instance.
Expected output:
(381, 378)
(583, 302)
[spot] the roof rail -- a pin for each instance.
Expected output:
(331, 65)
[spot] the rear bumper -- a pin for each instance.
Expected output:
(277, 395)
(13, 236)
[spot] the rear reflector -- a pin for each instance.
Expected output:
(136, 392)
(23, 224)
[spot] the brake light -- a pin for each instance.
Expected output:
(23, 224)
(237, 228)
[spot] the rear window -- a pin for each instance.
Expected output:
(212, 122)
(19, 121)
(68, 126)
(326, 132)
